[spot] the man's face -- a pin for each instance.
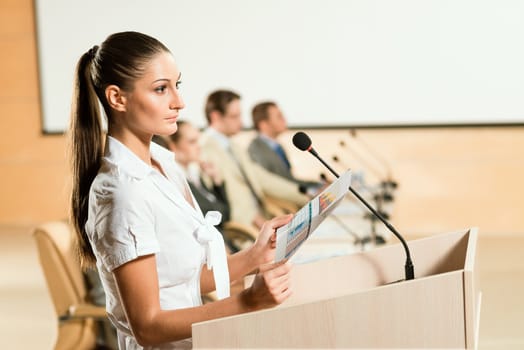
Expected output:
(232, 119)
(276, 122)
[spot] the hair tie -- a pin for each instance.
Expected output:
(92, 52)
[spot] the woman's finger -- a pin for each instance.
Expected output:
(269, 227)
(272, 266)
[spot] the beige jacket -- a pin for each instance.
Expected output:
(243, 207)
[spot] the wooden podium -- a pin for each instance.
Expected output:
(354, 301)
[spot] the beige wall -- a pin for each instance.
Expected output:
(32, 166)
(449, 178)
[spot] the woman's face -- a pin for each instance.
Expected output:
(153, 105)
(187, 148)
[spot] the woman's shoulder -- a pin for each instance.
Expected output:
(117, 198)
(111, 183)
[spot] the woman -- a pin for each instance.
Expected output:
(133, 212)
(204, 179)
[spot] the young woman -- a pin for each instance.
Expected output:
(134, 214)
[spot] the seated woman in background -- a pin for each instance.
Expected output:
(204, 178)
(133, 211)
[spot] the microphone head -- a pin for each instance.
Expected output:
(302, 189)
(302, 141)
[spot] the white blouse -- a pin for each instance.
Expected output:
(135, 211)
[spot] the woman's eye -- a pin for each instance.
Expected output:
(178, 84)
(161, 88)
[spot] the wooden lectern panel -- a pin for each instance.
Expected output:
(350, 302)
(363, 271)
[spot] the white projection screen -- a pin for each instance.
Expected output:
(327, 63)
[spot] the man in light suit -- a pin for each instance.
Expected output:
(265, 149)
(247, 183)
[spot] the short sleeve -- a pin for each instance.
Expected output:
(124, 228)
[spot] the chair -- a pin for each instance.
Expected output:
(238, 236)
(76, 317)
(277, 206)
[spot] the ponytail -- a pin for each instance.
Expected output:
(86, 146)
(120, 60)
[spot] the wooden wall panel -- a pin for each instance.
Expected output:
(33, 172)
(16, 17)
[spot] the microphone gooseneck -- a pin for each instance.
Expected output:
(302, 141)
(362, 159)
(389, 179)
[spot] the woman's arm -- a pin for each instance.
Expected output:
(137, 283)
(250, 259)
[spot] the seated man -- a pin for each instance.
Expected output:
(265, 149)
(247, 183)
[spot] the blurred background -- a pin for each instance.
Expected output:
(453, 173)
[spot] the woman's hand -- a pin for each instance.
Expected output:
(263, 250)
(270, 287)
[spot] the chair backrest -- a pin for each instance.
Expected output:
(277, 206)
(58, 258)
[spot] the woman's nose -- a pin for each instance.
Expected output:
(177, 102)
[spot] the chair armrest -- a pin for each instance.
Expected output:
(238, 236)
(238, 229)
(277, 206)
(86, 311)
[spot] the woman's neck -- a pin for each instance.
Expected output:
(138, 144)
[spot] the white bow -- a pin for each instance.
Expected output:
(216, 258)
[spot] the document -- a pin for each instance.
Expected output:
(292, 235)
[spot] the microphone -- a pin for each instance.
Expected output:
(303, 143)
(385, 196)
(356, 238)
(362, 159)
(389, 181)
(385, 184)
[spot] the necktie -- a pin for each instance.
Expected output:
(280, 152)
(206, 192)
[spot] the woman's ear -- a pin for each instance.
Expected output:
(116, 98)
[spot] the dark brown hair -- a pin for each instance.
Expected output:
(259, 112)
(161, 141)
(218, 101)
(120, 60)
